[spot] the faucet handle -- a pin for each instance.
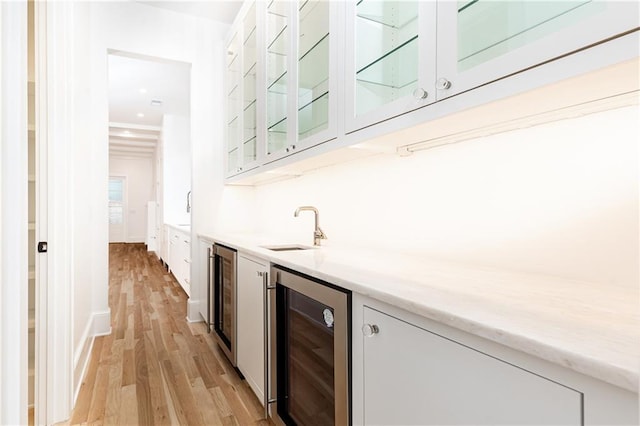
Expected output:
(319, 233)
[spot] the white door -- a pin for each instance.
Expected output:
(250, 326)
(117, 209)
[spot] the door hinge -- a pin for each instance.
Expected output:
(42, 247)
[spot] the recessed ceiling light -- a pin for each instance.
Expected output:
(126, 133)
(142, 90)
(140, 114)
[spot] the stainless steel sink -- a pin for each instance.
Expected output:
(288, 247)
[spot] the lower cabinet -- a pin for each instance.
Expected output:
(179, 257)
(439, 381)
(409, 370)
(252, 276)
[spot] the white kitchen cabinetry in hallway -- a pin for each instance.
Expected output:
(480, 42)
(243, 102)
(439, 381)
(440, 375)
(390, 60)
(252, 278)
(179, 256)
(337, 74)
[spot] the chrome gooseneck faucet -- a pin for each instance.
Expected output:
(317, 232)
(188, 201)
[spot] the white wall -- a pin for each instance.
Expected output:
(137, 28)
(14, 213)
(139, 177)
(176, 169)
(559, 199)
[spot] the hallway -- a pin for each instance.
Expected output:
(155, 367)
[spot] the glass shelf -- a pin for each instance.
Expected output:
(232, 134)
(392, 14)
(278, 34)
(397, 68)
(232, 160)
(249, 53)
(232, 51)
(249, 23)
(313, 25)
(249, 151)
(278, 84)
(249, 85)
(279, 44)
(489, 29)
(313, 117)
(249, 122)
(233, 92)
(276, 107)
(313, 67)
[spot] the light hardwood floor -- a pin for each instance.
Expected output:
(155, 367)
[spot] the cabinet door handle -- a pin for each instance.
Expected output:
(443, 84)
(420, 93)
(210, 257)
(369, 330)
(266, 318)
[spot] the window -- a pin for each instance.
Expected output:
(116, 201)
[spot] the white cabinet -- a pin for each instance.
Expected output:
(308, 76)
(242, 101)
(200, 283)
(390, 59)
(179, 257)
(479, 42)
(408, 369)
(252, 278)
(440, 381)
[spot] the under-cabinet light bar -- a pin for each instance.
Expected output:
(613, 102)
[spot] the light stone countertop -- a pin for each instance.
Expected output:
(180, 227)
(591, 328)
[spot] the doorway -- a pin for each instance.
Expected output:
(149, 148)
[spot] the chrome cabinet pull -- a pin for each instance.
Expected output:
(369, 330)
(266, 317)
(209, 290)
(420, 93)
(443, 84)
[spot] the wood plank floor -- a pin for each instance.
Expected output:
(156, 368)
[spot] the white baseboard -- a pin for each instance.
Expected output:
(98, 325)
(102, 323)
(193, 311)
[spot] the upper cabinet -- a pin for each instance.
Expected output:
(242, 100)
(483, 41)
(278, 64)
(390, 59)
(302, 75)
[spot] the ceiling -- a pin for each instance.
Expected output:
(141, 91)
(134, 82)
(217, 10)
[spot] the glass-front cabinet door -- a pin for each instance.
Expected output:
(249, 80)
(234, 106)
(302, 74)
(390, 59)
(242, 138)
(480, 41)
(278, 57)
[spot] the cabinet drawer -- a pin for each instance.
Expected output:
(414, 376)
